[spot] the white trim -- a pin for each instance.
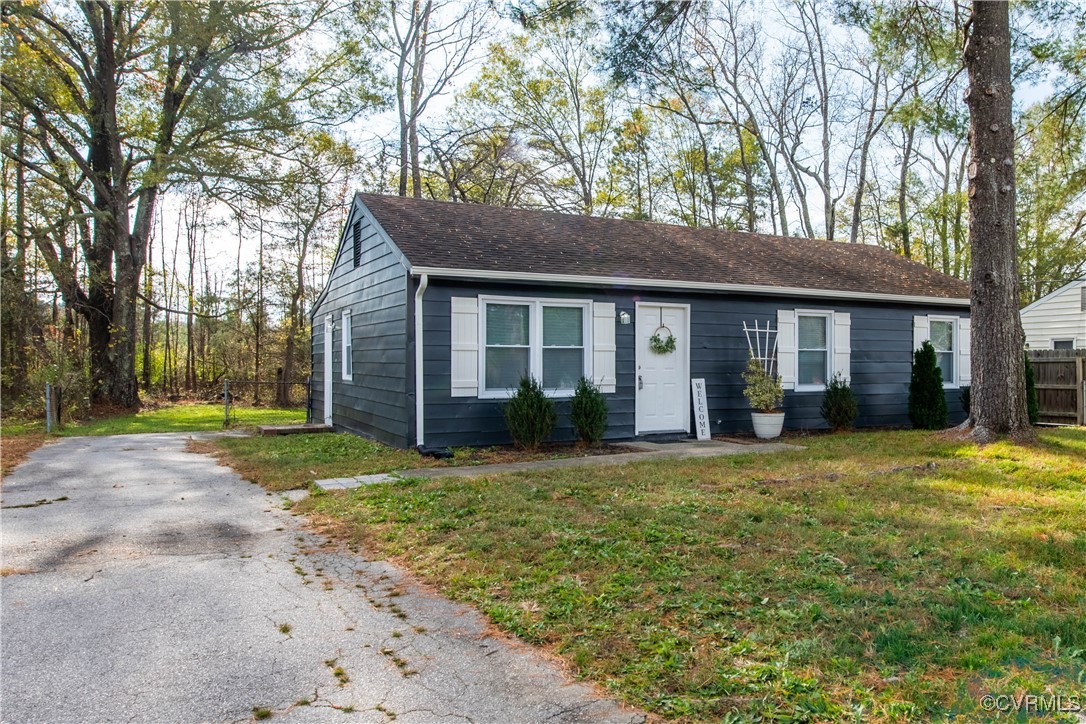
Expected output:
(827, 315)
(329, 326)
(955, 348)
(420, 408)
(1072, 340)
(686, 362)
(579, 279)
(535, 339)
(347, 351)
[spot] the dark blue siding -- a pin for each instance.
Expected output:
(881, 342)
(374, 402)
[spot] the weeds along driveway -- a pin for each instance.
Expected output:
(145, 583)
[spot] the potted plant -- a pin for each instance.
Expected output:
(765, 395)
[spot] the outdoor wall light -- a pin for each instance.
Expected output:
(623, 317)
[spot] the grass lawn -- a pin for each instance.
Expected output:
(20, 437)
(294, 461)
(174, 418)
(885, 576)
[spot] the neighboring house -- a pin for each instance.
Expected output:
(1057, 320)
(433, 310)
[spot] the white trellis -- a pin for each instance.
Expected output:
(762, 343)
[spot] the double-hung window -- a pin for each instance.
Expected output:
(542, 338)
(944, 339)
(812, 349)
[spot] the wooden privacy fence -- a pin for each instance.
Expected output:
(1061, 389)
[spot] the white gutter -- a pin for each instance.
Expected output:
(424, 280)
(668, 284)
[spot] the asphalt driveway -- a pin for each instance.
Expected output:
(145, 583)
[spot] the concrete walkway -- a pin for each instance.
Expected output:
(145, 583)
(650, 451)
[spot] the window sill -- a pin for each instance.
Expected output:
(503, 395)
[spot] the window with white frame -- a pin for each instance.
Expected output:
(543, 338)
(1063, 344)
(348, 361)
(813, 352)
(944, 338)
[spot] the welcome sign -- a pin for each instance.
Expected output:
(701, 407)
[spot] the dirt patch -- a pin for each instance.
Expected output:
(14, 449)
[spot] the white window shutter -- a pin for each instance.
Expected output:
(603, 346)
(786, 347)
(921, 332)
(842, 345)
(965, 361)
(465, 347)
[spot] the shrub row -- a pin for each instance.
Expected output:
(530, 416)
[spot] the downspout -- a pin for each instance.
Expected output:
(424, 280)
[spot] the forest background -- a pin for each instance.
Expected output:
(234, 134)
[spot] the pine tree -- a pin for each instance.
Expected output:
(927, 403)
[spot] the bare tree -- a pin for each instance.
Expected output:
(431, 43)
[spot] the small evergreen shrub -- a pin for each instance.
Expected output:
(763, 391)
(588, 411)
(529, 414)
(1033, 407)
(927, 403)
(839, 406)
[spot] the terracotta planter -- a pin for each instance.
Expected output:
(767, 425)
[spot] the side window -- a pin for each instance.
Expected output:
(950, 338)
(812, 350)
(348, 361)
(1063, 344)
(944, 340)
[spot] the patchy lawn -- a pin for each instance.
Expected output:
(189, 417)
(294, 461)
(885, 576)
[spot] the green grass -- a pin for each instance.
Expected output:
(884, 576)
(293, 461)
(176, 418)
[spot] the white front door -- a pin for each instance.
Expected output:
(663, 380)
(329, 325)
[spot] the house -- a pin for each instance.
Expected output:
(433, 310)
(1057, 320)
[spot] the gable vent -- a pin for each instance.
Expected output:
(356, 231)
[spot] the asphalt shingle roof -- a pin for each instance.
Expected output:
(498, 239)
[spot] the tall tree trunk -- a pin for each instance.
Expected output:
(418, 67)
(998, 400)
(861, 170)
(149, 293)
(902, 198)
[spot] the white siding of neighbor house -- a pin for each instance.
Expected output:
(1060, 315)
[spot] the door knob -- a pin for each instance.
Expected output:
(640, 383)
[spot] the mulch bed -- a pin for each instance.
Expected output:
(499, 454)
